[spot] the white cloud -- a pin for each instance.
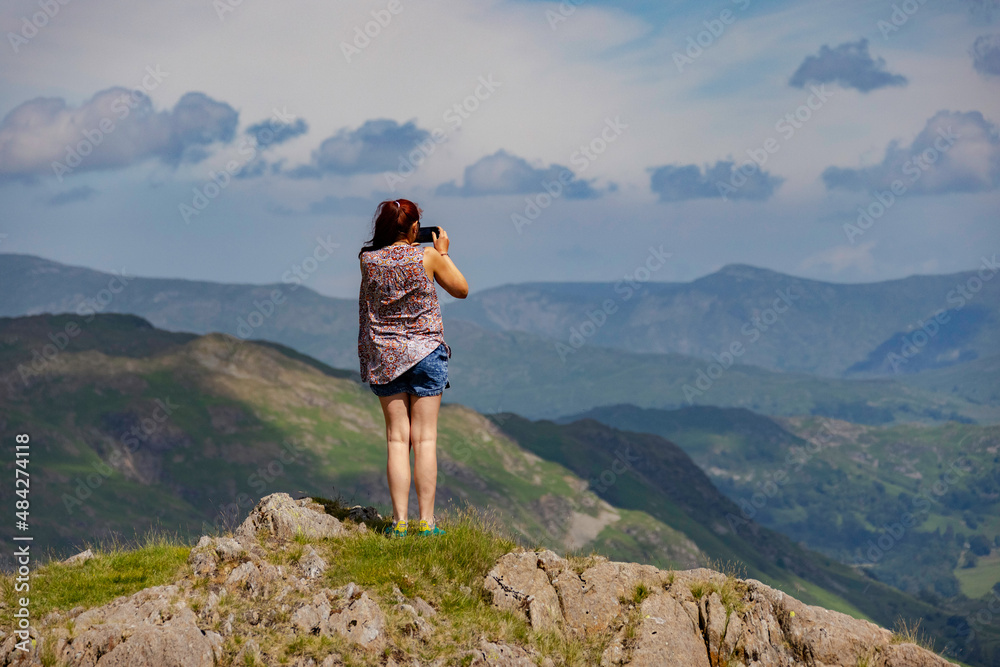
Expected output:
(115, 128)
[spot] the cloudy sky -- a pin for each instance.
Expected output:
(230, 140)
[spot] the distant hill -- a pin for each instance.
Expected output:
(323, 327)
(492, 370)
(801, 325)
(835, 486)
(132, 426)
(518, 372)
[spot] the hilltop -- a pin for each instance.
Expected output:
(307, 583)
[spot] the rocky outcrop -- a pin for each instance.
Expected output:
(690, 618)
(278, 516)
(248, 599)
(232, 591)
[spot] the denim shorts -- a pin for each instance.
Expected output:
(429, 377)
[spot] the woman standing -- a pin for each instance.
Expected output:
(404, 357)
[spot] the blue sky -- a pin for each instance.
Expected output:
(553, 141)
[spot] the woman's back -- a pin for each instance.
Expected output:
(399, 314)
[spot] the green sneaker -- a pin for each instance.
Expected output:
(397, 529)
(424, 528)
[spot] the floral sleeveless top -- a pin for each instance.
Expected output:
(399, 317)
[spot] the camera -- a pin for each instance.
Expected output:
(424, 234)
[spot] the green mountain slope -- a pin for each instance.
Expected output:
(216, 425)
(133, 426)
(840, 488)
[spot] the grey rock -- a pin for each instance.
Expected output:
(146, 628)
(245, 577)
(79, 558)
(361, 621)
(311, 617)
(228, 549)
(311, 564)
(418, 625)
(423, 607)
(499, 654)
(752, 625)
(173, 644)
(202, 559)
(667, 636)
(519, 585)
(348, 591)
(278, 516)
(360, 514)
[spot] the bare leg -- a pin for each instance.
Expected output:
(396, 409)
(423, 436)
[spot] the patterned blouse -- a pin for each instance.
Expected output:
(399, 317)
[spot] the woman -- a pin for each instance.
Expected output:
(401, 346)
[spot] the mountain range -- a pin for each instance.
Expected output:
(515, 350)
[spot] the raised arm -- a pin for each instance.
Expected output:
(445, 272)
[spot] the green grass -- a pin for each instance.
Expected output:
(448, 572)
(420, 566)
(117, 569)
(978, 581)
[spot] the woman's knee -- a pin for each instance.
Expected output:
(423, 444)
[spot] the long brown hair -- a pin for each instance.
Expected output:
(392, 220)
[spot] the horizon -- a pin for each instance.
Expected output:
(445, 298)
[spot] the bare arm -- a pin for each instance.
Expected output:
(443, 269)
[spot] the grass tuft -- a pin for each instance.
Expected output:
(906, 632)
(117, 569)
